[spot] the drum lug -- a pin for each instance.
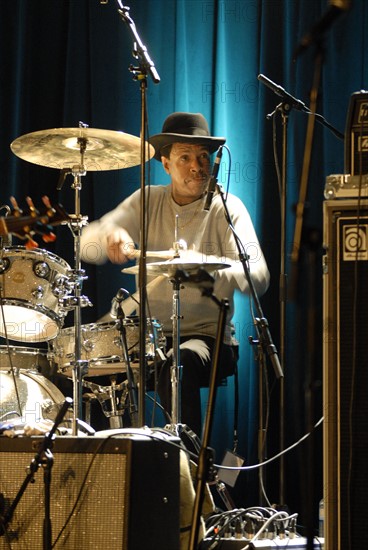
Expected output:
(4, 265)
(38, 293)
(117, 342)
(61, 287)
(88, 345)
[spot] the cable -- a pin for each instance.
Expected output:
(272, 459)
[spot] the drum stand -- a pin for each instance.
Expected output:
(108, 398)
(175, 369)
(76, 302)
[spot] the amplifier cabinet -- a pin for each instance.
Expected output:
(345, 372)
(106, 493)
(356, 134)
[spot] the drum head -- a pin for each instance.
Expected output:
(38, 398)
(33, 285)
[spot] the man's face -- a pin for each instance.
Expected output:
(189, 168)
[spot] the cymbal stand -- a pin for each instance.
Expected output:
(80, 367)
(175, 371)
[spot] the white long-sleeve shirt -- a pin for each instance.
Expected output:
(205, 232)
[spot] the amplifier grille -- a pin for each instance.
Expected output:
(121, 488)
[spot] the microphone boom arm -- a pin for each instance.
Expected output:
(262, 326)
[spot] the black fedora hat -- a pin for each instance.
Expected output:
(185, 128)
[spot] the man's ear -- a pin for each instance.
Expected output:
(166, 164)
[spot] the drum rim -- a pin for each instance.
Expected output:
(90, 327)
(38, 252)
(24, 350)
(49, 313)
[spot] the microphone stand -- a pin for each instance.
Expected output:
(132, 387)
(261, 322)
(44, 458)
(264, 342)
(146, 66)
(288, 103)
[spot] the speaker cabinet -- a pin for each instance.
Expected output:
(106, 493)
(356, 135)
(345, 378)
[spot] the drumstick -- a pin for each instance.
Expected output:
(165, 254)
(130, 304)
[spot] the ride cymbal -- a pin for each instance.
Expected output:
(94, 149)
(170, 267)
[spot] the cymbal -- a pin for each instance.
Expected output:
(164, 254)
(61, 148)
(170, 267)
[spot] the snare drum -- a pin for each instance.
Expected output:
(101, 346)
(155, 337)
(33, 284)
(39, 398)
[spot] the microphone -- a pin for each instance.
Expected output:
(336, 7)
(116, 301)
(280, 91)
(213, 180)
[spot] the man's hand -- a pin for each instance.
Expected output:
(120, 246)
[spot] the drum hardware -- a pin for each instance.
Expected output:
(113, 404)
(88, 398)
(175, 370)
(80, 367)
(131, 384)
(71, 302)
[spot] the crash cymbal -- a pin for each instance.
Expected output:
(61, 148)
(170, 267)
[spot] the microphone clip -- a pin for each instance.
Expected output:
(213, 179)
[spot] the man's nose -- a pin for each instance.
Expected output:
(196, 165)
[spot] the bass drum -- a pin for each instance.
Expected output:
(38, 398)
(24, 358)
(33, 285)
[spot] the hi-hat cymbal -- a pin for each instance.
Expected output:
(170, 267)
(61, 148)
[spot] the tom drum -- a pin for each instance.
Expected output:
(33, 284)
